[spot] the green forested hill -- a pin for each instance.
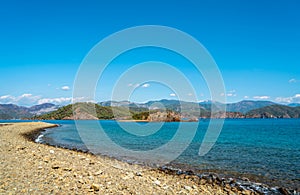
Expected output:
(275, 111)
(94, 111)
(86, 111)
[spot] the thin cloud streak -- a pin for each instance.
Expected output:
(288, 100)
(65, 88)
(264, 97)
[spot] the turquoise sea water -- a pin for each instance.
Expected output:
(263, 150)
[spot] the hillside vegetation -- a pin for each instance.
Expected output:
(161, 110)
(275, 111)
(87, 111)
(12, 111)
(92, 111)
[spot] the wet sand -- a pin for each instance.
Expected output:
(32, 168)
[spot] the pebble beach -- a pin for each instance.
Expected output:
(31, 168)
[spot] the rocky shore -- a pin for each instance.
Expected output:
(31, 168)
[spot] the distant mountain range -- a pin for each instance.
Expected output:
(247, 105)
(11, 111)
(275, 111)
(242, 106)
(294, 104)
(152, 109)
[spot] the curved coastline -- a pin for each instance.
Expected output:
(69, 165)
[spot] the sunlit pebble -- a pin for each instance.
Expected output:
(51, 151)
(157, 182)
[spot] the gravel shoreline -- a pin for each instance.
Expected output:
(31, 168)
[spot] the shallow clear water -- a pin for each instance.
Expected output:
(264, 150)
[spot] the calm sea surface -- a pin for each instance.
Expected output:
(263, 150)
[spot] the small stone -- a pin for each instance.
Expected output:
(55, 167)
(125, 177)
(130, 175)
(51, 151)
(188, 188)
(95, 187)
(247, 192)
(138, 174)
(40, 167)
(98, 172)
(81, 181)
(122, 187)
(46, 160)
(202, 182)
(231, 181)
(283, 191)
(21, 147)
(165, 187)
(67, 169)
(227, 186)
(156, 182)
(209, 180)
(234, 189)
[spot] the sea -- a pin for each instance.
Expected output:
(263, 150)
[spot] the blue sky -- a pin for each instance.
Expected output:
(256, 45)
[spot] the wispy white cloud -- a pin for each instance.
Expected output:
(4, 97)
(293, 99)
(26, 95)
(146, 85)
(82, 99)
(293, 80)
(264, 97)
(231, 93)
(64, 100)
(134, 85)
(246, 97)
(172, 94)
(24, 99)
(60, 100)
(65, 88)
(28, 99)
